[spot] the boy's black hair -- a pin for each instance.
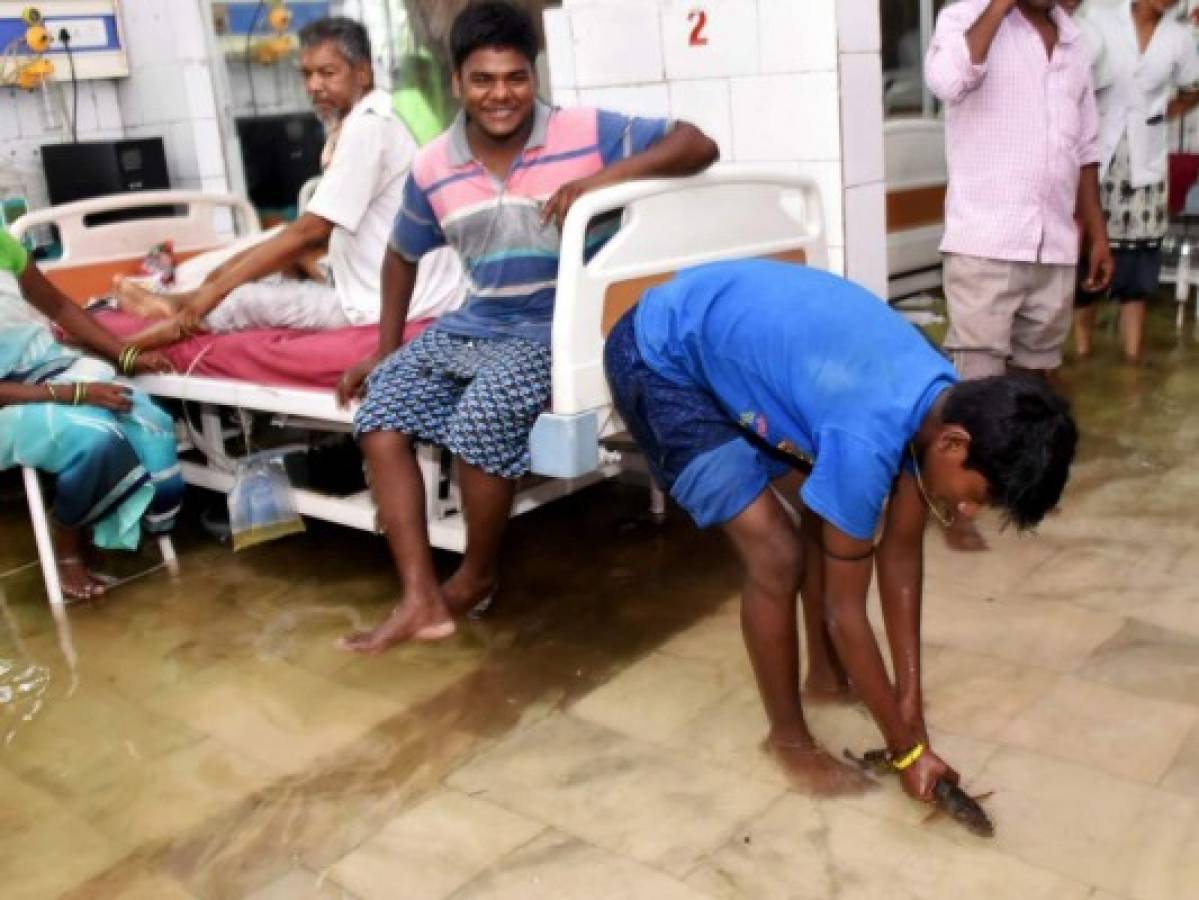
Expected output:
(492, 23)
(351, 38)
(1022, 440)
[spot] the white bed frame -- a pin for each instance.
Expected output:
(914, 164)
(666, 225)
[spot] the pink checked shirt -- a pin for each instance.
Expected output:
(1017, 130)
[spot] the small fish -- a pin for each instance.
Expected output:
(962, 808)
(947, 796)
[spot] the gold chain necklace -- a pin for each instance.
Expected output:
(937, 514)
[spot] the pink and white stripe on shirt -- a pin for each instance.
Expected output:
(1018, 128)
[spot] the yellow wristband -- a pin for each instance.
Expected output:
(908, 758)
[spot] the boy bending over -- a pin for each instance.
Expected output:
(735, 374)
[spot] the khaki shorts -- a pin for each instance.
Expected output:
(1006, 313)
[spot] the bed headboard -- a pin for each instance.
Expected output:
(92, 253)
(667, 224)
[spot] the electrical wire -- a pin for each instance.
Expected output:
(65, 37)
(249, 70)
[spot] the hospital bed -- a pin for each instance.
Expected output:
(916, 176)
(664, 225)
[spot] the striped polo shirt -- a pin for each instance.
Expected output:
(510, 258)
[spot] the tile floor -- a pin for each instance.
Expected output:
(597, 736)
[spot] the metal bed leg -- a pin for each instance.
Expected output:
(169, 559)
(657, 503)
(45, 542)
(1182, 284)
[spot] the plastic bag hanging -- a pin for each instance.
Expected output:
(260, 503)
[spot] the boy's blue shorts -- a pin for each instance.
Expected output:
(696, 451)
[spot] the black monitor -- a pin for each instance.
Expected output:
(98, 168)
(279, 153)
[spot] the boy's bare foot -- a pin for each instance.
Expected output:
(813, 771)
(410, 621)
(464, 592)
(828, 691)
(964, 535)
(137, 301)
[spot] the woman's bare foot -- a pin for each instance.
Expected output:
(464, 592)
(138, 301)
(77, 582)
(410, 621)
(962, 534)
(813, 771)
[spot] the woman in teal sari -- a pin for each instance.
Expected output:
(112, 450)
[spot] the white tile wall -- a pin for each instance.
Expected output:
(725, 34)
(559, 49)
(836, 260)
(857, 25)
(797, 35)
(862, 117)
(564, 96)
(209, 148)
(866, 236)
(707, 105)
(169, 94)
(616, 43)
(642, 100)
(197, 80)
(786, 117)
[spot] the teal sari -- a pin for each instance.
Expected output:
(115, 472)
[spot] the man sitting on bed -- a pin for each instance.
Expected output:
(351, 212)
(496, 186)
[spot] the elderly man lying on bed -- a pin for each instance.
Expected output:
(352, 210)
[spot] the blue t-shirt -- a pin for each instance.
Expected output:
(510, 257)
(814, 365)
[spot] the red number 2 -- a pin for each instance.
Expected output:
(700, 18)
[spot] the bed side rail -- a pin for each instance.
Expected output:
(666, 225)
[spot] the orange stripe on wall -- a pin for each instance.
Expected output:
(82, 283)
(915, 207)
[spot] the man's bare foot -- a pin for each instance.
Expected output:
(464, 593)
(162, 333)
(828, 691)
(964, 535)
(813, 771)
(138, 301)
(409, 621)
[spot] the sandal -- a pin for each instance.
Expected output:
(94, 588)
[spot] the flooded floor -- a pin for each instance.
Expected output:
(596, 736)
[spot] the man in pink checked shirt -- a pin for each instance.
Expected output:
(1021, 139)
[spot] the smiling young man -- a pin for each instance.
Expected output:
(497, 187)
(734, 378)
(369, 153)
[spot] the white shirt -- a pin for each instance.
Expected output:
(360, 193)
(1141, 86)
(1101, 72)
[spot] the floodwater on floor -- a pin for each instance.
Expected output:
(596, 735)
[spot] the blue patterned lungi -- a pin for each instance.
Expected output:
(477, 397)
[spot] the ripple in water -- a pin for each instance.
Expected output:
(23, 687)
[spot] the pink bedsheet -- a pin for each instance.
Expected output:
(276, 356)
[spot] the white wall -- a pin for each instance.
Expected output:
(788, 83)
(169, 94)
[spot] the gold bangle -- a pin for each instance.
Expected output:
(82, 391)
(908, 758)
(128, 358)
